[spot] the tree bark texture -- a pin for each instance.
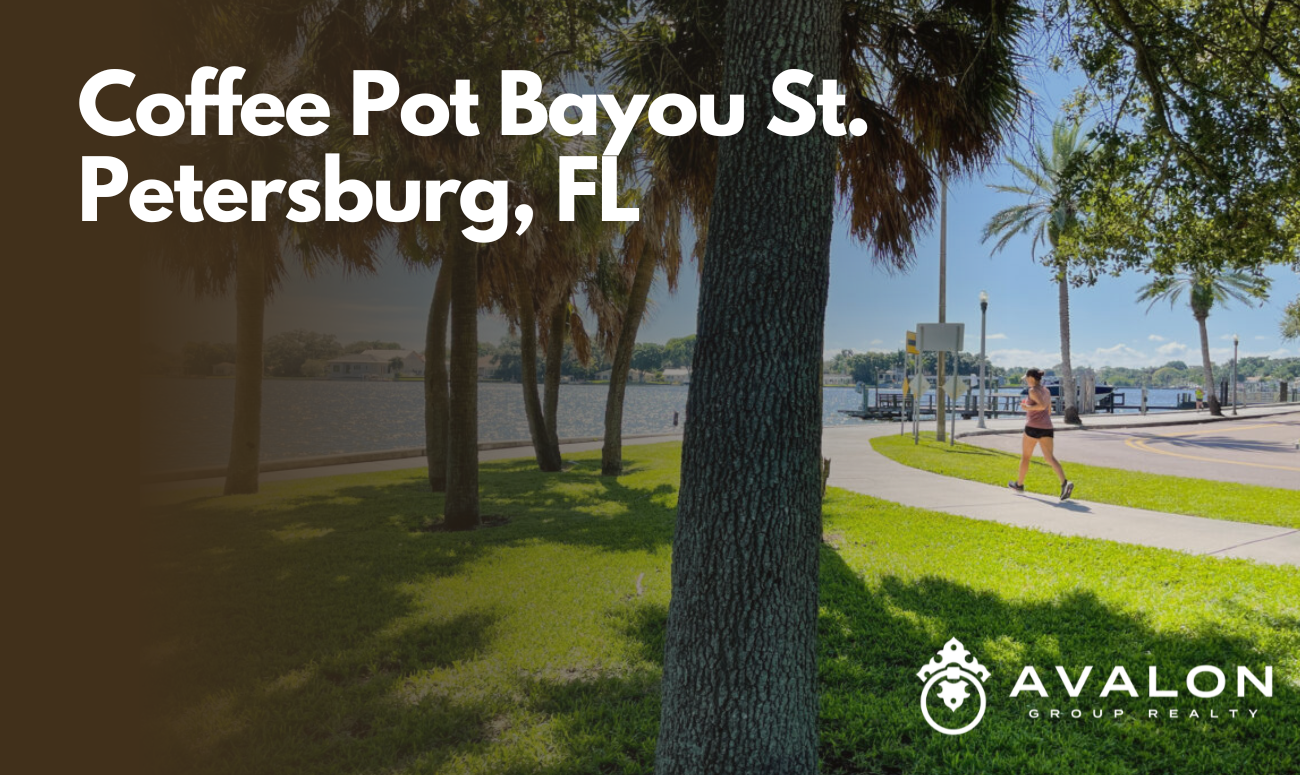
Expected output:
(740, 668)
(246, 430)
(435, 381)
(461, 509)
(1068, 394)
(1211, 394)
(611, 453)
(554, 363)
(548, 459)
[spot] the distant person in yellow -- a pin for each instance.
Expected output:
(1038, 432)
(1200, 396)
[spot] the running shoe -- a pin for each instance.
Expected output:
(1016, 487)
(1067, 487)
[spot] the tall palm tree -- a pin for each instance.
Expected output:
(1049, 214)
(936, 87)
(751, 486)
(1204, 290)
(424, 46)
(649, 245)
(211, 257)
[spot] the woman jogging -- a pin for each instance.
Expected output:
(1038, 431)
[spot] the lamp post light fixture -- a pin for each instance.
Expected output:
(1235, 341)
(984, 308)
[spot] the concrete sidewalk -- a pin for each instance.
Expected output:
(857, 467)
(1103, 420)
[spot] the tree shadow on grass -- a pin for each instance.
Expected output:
(874, 640)
(286, 628)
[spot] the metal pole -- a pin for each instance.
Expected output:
(902, 408)
(956, 375)
(943, 300)
(984, 308)
(1234, 373)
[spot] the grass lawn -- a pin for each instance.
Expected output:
(318, 628)
(1175, 494)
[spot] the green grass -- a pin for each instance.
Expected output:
(1174, 494)
(315, 628)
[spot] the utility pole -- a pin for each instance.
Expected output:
(984, 310)
(939, 434)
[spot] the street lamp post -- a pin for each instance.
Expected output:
(1235, 341)
(984, 308)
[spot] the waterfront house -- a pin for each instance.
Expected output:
(835, 379)
(412, 360)
(224, 369)
(632, 375)
(678, 376)
(360, 366)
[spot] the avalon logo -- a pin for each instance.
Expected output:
(954, 670)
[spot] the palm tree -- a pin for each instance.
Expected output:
(211, 257)
(936, 88)
(751, 482)
(423, 45)
(1204, 290)
(1049, 214)
(650, 244)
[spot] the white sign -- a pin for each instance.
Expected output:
(940, 337)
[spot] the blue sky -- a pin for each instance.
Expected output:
(869, 308)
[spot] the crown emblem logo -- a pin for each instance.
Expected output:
(955, 671)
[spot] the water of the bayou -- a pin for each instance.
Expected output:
(187, 421)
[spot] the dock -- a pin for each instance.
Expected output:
(895, 406)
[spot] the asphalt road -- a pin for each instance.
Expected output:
(1254, 451)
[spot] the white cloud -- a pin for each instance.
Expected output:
(1172, 348)
(1156, 338)
(1261, 338)
(996, 336)
(1280, 352)
(877, 341)
(1118, 355)
(1011, 357)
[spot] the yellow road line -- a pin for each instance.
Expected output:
(1203, 431)
(1141, 444)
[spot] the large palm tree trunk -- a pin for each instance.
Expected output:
(740, 667)
(1068, 393)
(461, 510)
(246, 430)
(611, 454)
(548, 458)
(1211, 395)
(435, 381)
(554, 364)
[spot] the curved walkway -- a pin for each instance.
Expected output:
(856, 466)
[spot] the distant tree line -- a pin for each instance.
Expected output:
(296, 353)
(301, 353)
(1179, 374)
(647, 357)
(872, 367)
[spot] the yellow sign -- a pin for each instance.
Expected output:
(911, 343)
